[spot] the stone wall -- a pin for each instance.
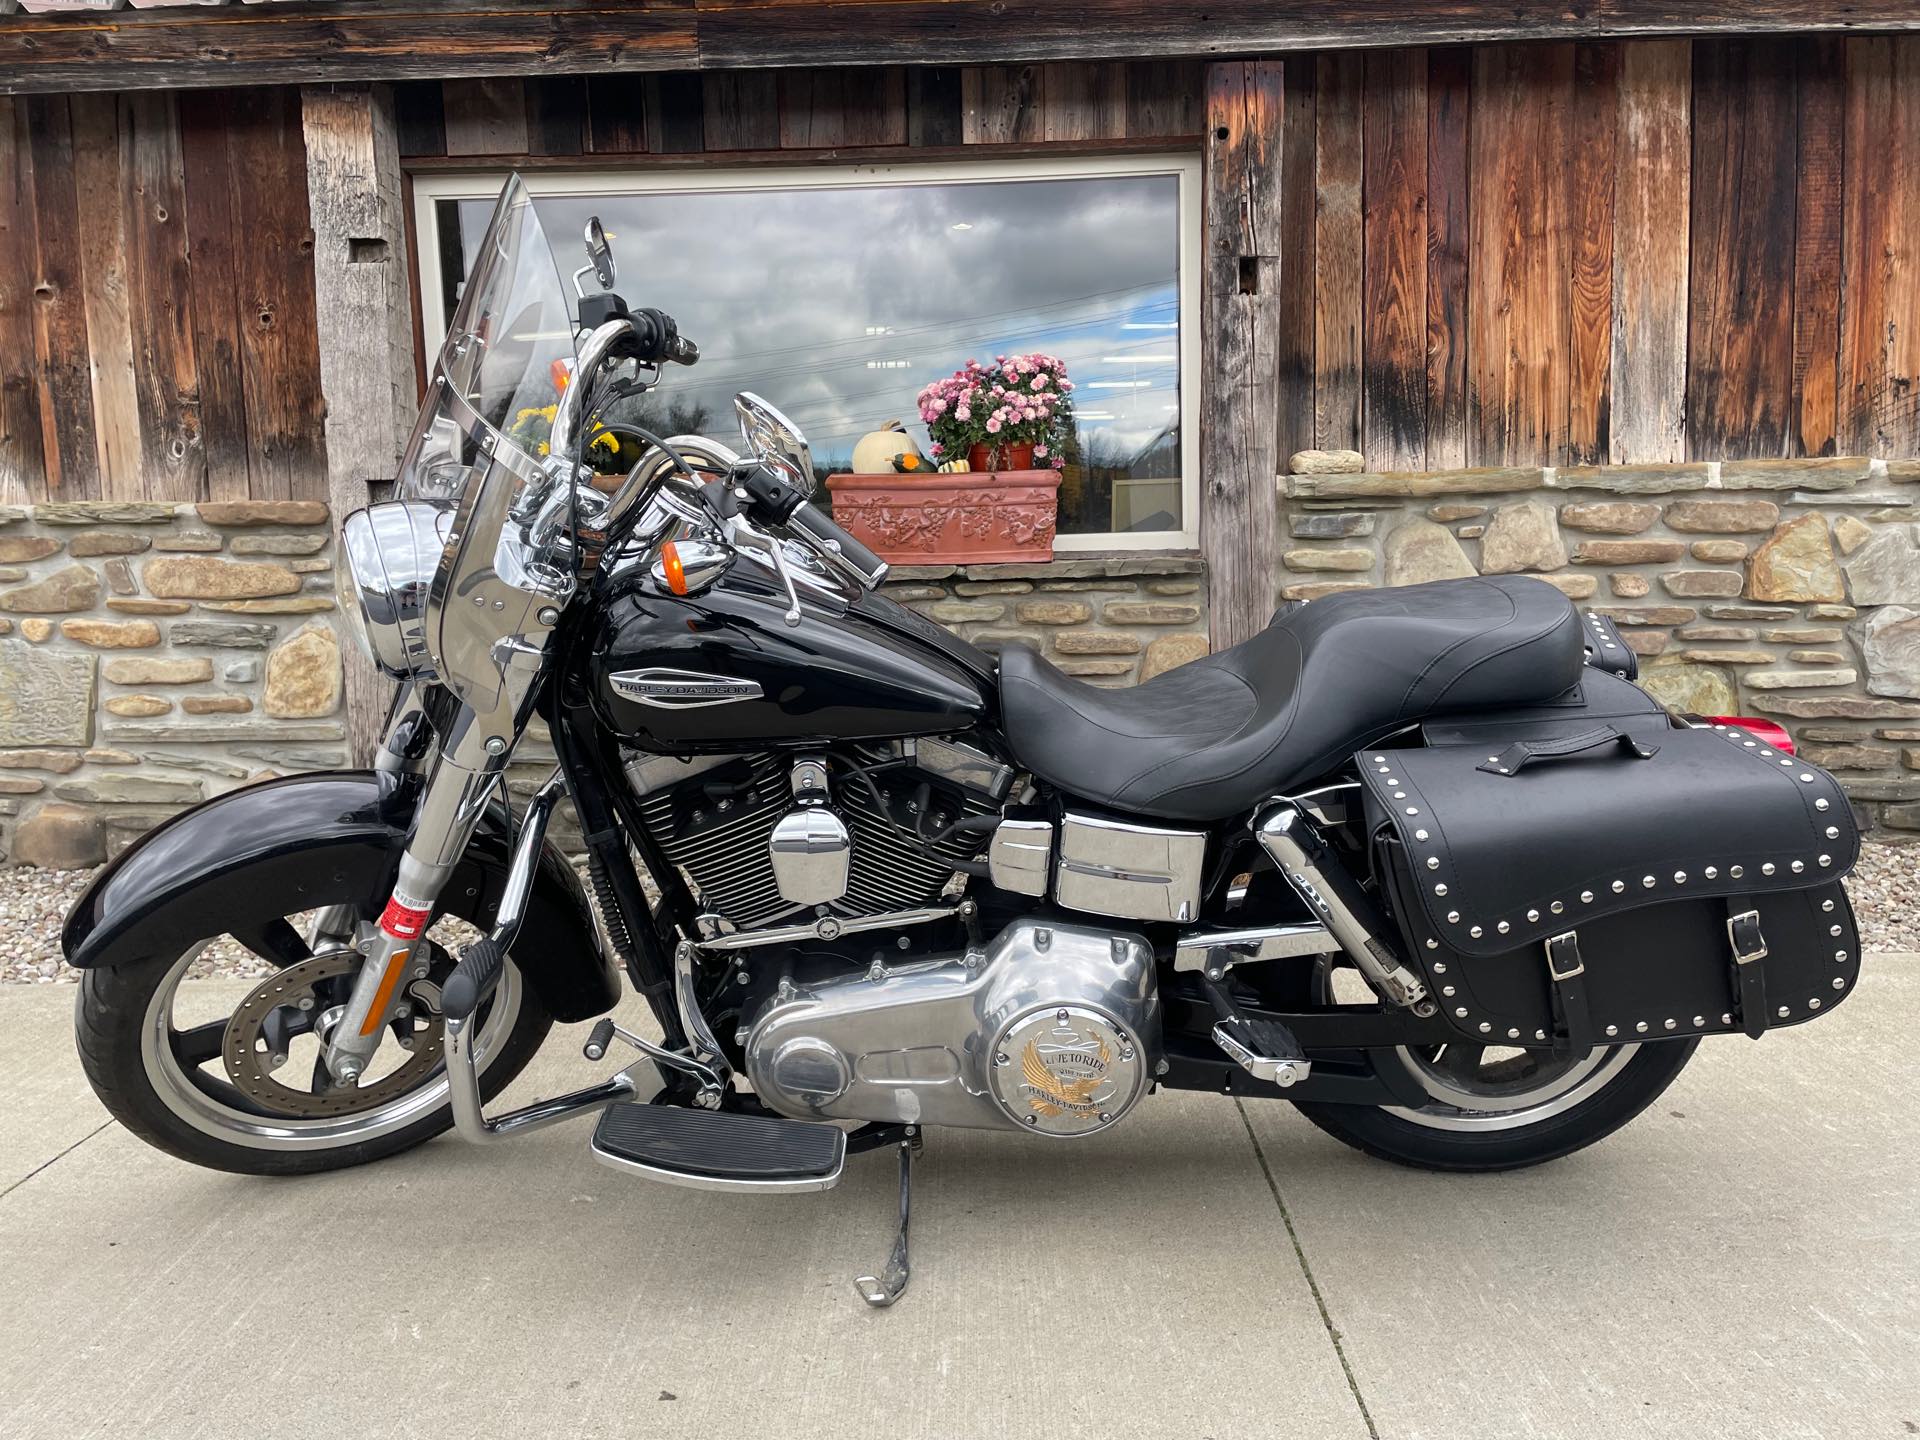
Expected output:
(1784, 588)
(152, 655)
(1109, 619)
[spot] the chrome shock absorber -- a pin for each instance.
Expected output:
(1288, 835)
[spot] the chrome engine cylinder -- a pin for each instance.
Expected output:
(1051, 1029)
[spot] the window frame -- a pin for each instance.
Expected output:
(638, 179)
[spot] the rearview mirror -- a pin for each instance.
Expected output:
(774, 439)
(600, 254)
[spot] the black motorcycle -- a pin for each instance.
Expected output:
(1424, 861)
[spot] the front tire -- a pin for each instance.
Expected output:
(131, 1054)
(1481, 1117)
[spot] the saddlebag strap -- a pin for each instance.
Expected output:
(1749, 975)
(1515, 758)
(1568, 971)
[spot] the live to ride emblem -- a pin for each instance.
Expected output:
(682, 689)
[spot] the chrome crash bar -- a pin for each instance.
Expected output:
(463, 1057)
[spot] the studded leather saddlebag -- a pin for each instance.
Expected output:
(1624, 881)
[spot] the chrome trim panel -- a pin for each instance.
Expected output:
(1020, 856)
(1137, 872)
(1223, 949)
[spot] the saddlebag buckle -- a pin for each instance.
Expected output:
(1573, 1028)
(1749, 946)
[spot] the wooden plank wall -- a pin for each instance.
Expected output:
(1605, 252)
(763, 112)
(1595, 251)
(157, 335)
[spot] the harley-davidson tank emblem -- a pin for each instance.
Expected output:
(1064, 1079)
(682, 689)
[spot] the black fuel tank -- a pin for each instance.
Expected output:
(724, 671)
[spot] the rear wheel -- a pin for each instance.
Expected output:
(243, 1085)
(1499, 1108)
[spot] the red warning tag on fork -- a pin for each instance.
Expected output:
(402, 920)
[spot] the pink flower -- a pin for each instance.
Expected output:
(963, 414)
(1041, 451)
(1040, 382)
(935, 448)
(1059, 463)
(1066, 384)
(993, 426)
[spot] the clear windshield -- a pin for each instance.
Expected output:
(508, 356)
(479, 453)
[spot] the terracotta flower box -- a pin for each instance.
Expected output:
(968, 518)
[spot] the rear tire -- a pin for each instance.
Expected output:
(1619, 1082)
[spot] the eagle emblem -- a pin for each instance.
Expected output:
(1052, 1094)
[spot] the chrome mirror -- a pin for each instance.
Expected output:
(600, 254)
(775, 440)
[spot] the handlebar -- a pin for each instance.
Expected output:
(828, 539)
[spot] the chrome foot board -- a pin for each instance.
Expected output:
(721, 1149)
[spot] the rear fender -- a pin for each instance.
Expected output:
(309, 840)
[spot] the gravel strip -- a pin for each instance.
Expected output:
(1885, 889)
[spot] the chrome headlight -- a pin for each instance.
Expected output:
(392, 552)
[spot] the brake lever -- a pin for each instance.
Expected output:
(770, 546)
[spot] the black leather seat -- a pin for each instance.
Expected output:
(1214, 737)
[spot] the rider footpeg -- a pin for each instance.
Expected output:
(720, 1149)
(1265, 1049)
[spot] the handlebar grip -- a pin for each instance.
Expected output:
(682, 351)
(820, 527)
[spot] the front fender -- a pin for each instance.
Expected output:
(309, 840)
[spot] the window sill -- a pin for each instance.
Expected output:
(1068, 565)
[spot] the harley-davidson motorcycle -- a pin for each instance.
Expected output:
(1424, 861)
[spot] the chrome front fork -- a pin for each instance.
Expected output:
(460, 782)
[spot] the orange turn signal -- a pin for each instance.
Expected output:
(670, 567)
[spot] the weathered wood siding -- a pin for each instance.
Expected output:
(762, 112)
(1593, 251)
(157, 336)
(1604, 252)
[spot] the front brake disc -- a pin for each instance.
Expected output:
(249, 1056)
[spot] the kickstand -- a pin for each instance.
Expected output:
(883, 1289)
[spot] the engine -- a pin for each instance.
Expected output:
(771, 840)
(1051, 1029)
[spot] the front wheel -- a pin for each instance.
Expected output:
(1494, 1108)
(243, 1086)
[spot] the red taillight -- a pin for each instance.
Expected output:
(1765, 731)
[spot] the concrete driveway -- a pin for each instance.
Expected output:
(1743, 1260)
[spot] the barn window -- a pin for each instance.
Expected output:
(838, 293)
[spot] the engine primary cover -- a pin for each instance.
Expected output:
(1066, 1071)
(1052, 1029)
